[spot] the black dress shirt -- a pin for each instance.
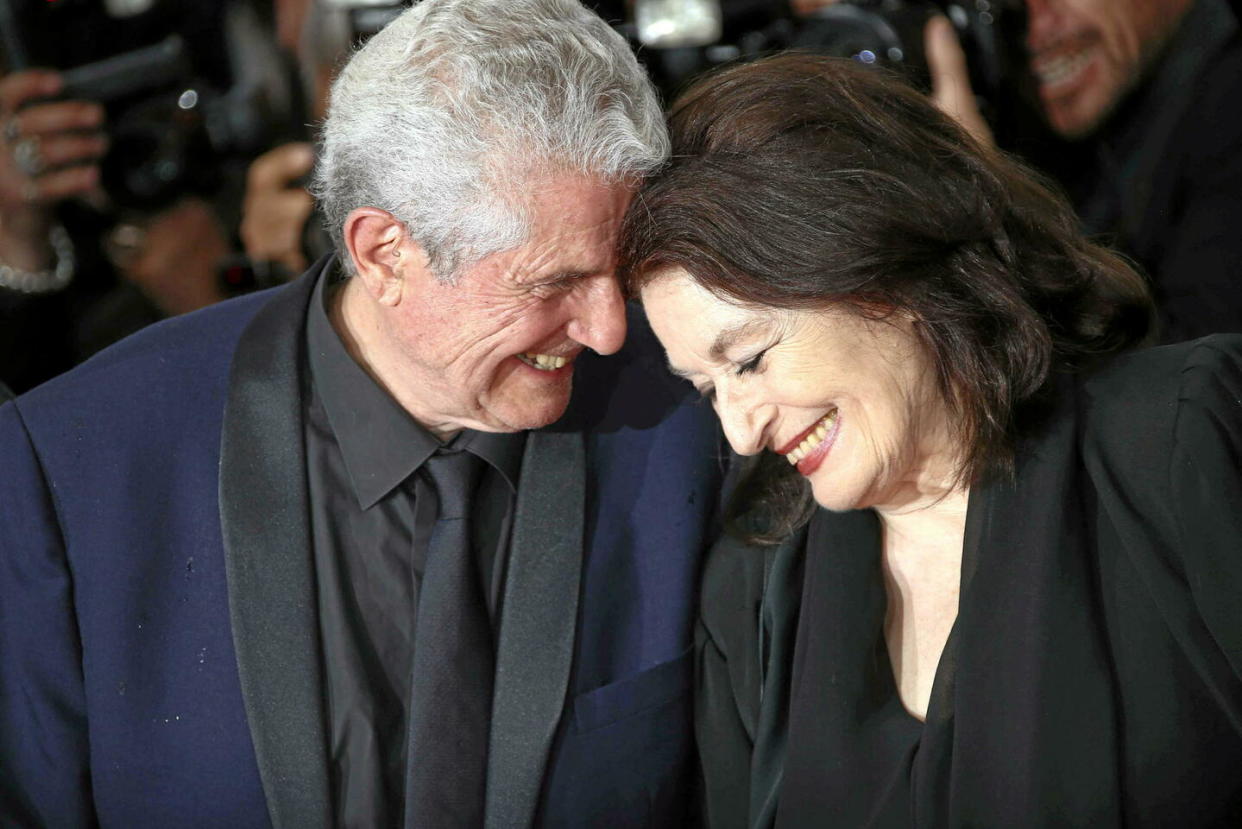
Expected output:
(369, 532)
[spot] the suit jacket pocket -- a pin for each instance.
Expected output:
(645, 691)
(625, 758)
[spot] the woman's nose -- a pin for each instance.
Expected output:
(744, 421)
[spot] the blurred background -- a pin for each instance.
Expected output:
(155, 151)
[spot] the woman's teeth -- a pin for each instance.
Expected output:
(543, 362)
(815, 438)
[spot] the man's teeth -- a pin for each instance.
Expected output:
(543, 362)
(1054, 70)
(814, 439)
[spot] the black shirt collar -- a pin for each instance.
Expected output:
(380, 442)
(502, 450)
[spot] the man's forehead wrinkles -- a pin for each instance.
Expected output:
(558, 263)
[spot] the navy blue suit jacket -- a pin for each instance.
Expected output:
(159, 660)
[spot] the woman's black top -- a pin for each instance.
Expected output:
(1093, 676)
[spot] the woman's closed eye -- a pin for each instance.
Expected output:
(750, 366)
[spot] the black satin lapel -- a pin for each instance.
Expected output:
(538, 623)
(778, 619)
(1026, 672)
(265, 520)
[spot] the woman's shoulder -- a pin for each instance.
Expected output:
(1160, 439)
(739, 579)
(1162, 445)
(1141, 402)
(1135, 372)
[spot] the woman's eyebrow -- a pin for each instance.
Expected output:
(726, 339)
(730, 336)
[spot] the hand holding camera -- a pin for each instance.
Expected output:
(51, 150)
(951, 90)
(947, 68)
(277, 207)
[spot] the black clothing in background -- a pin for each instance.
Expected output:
(1093, 676)
(43, 335)
(370, 530)
(1162, 180)
(33, 344)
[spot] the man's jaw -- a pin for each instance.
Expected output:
(1067, 71)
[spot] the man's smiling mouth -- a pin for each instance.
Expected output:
(1061, 69)
(543, 362)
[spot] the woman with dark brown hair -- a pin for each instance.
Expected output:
(989, 572)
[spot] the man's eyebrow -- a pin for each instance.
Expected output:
(569, 275)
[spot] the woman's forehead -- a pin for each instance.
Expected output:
(693, 323)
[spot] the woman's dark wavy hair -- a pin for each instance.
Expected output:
(808, 182)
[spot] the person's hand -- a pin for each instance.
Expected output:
(276, 209)
(50, 152)
(951, 90)
(173, 256)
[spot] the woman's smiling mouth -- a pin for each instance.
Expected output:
(808, 449)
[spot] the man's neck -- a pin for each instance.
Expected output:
(352, 315)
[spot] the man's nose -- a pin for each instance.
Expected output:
(1041, 20)
(599, 315)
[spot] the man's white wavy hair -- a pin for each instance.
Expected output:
(449, 117)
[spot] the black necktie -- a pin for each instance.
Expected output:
(451, 690)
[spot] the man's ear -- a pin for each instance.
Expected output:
(385, 258)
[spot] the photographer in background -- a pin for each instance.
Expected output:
(278, 233)
(81, 264)
(1147, 93)
(1143, 95)
(50, 154)
(277, 208)
(276, 230)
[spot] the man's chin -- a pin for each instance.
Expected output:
(533, 410)
(1075, 117)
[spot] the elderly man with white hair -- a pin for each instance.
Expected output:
(391, 545)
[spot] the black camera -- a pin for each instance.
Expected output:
(185, 86)
(878, 32)
(367, 18)
(890, 32)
